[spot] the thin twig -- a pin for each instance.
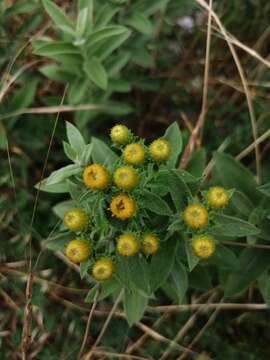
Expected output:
(243, 80)
(104, 328)
(182, 331)
(93, 307)
(200, 333)
(26, 337)
(222, 306)
(52, 110)
(199, 125)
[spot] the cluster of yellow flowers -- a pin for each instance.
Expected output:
(196, 217)
(122, 206)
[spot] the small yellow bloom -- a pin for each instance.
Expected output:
(77, 250)
(75, 219)
(125, 178)
(127, 245)
(134, 154)
(120, 134)
(160, 150)
(150, 244)
(96, 177)
(203, 246)
(102, 269)
(217, 197)
(122, 207)
(195, 216)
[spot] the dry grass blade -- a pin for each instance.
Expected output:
(160, 338)
(105, 326)
(252, 146)
(243, 80)
(222, 306)
(199, 125)
(52, 110)
(201, 332)
(26, 337)
(93, 307)
(182, 331)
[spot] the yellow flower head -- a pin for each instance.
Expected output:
(160, 150)
(217, 197)
(77, 250)
(122, 207)
(195, 216)
(134, 154)
(150, 244)
(96, 177)
(75, 220)
(203, 246)
(127, 245)
(119, 134)
(125, 178)
(102, 269)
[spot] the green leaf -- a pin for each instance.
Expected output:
(61, 208)
(265, 189)
(108, 288)
(63, 173)
(199, 278)
(197, 163)
(224, 257)
(149, 7)
(134, 305)
(178, 189)
(52, 48)
(84, 267)
(59, 242)
(70, 152)
(105, 33)
(162, 263)
(154, 203)
(230, 226)
(241, 203)
(192, 259)
(75, 138)
(101, 153)
(59, 188)
(264, 285)
(179, 280)
(57, 15)
(232, 174)
(81, 22)
(55, 73)
(104, 14)
(133, 273)
(251, 264)
(174, 137)
(96, 72)
(140, 23)
(104, 48)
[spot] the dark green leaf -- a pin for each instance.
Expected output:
(162, 263)
(101, 153)
(231, 174)
(251, 264)
(96, 72)
(174, 137)
(134, 305)
(154, 203)
(230, 226)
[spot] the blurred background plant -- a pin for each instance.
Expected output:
(137, 62)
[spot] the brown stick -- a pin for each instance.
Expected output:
(195, 133)
(222, 306)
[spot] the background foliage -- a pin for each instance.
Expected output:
(145, 67)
